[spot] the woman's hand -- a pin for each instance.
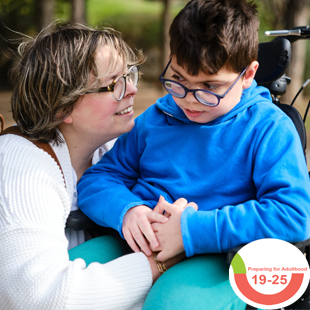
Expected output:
(169, 234)
(137, 224)
(169, 263)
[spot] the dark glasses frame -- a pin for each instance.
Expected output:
(194, 91)
(110, 88)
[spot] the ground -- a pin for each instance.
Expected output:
(146, 96)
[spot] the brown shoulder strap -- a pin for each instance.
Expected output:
(41, 145)
(2, 123)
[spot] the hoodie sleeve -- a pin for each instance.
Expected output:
(281, 209)
(104, 190)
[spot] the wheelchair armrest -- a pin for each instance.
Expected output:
(302, 244)
(77, 220)
(232, 252)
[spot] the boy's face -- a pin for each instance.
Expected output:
(217, 83)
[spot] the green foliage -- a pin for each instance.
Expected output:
(23, 7)
(62, 9)
(138, 20)
(306, 91)
(18, 15)
(265, 18)
(98, 9)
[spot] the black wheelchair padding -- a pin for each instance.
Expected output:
(77, 220)
(274, 59)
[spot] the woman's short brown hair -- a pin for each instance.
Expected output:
(209, 34)
(53, 72)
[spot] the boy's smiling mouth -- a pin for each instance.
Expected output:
(125, 111)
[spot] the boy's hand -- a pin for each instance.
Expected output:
(137, 224)
(169, 234)
(181, 203)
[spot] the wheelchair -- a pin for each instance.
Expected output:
(274, 59)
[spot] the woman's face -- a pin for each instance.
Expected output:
(99, 114)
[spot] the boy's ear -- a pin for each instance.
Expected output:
(250, 74)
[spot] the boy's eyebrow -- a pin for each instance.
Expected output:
(176, 71)
(207, 81)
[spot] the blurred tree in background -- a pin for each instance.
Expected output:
(166, 22)
(44, 10)
(144, 25)
(78, 11)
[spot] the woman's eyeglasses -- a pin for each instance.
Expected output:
(118, 86)
(204, 96)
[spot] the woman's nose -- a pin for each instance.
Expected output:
(131, 90)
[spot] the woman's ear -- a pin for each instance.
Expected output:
(250, 74)
(68, 120)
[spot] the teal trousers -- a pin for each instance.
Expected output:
(200, 282)
(102, 249)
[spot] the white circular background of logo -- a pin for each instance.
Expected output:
(269, 254)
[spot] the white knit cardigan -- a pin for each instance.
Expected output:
(35, 271)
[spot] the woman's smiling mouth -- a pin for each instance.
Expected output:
(125, 111)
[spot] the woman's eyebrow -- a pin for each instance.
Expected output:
(114, 75)
(111, 77)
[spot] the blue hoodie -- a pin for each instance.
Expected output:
(245, 170)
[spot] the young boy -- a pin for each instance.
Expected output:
(216, 139)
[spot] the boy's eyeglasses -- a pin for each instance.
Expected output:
(118, 86)
(205, 97)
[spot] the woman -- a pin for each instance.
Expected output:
(74, 88)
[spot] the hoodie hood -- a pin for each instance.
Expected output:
(249, 96)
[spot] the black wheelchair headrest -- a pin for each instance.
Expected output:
(274, 59)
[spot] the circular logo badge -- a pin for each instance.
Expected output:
(269, 274)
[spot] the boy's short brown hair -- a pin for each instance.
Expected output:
(207, 35)
(53, 72)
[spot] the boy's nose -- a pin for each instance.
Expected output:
(191, 98)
